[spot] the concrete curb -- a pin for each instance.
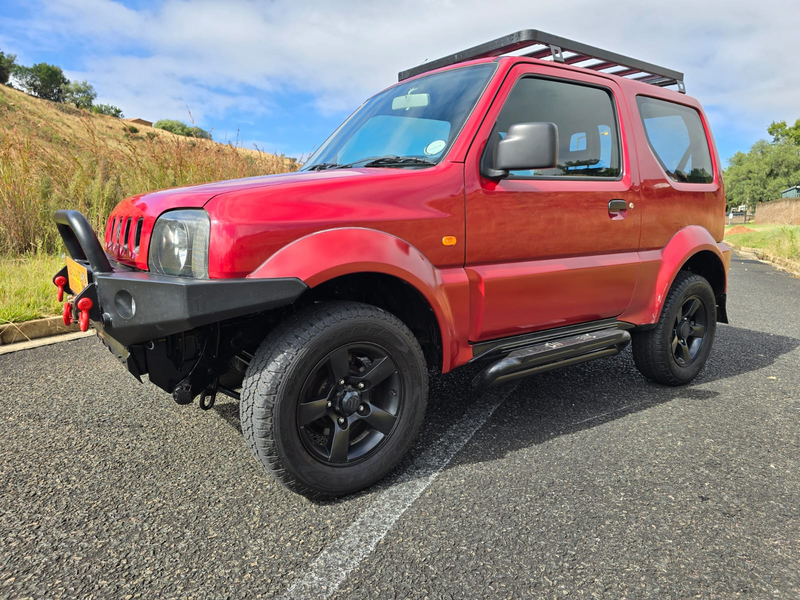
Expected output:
(784, 264)
(14, 333)
(53, 339)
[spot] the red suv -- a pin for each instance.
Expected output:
(522, 212)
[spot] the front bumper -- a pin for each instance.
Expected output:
(134, 307)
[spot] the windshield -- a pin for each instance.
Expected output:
(415, 121)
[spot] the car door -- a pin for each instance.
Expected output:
(553, 247)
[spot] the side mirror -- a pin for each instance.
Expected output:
(526, 146)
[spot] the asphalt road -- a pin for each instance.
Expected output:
(588, 482)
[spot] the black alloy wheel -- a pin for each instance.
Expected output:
(334, 397)
(350, 404)
(676, 349)
(689, 331)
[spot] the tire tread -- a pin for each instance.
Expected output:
(647, 347)
(271, 363)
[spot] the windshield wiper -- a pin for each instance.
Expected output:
(381, 161)
(398, 160)
(323, 166)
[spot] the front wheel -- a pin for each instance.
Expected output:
(334, 397)
(676, 349)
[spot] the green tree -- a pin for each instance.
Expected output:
(107, 109)
(761, 174)
(7, 63)
(80, 93)
(780, 131)
(42, 80)
(181, 128)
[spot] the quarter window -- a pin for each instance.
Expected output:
(677, 139)
(586, 121)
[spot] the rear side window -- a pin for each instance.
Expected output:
(678, 140)
(586, 121)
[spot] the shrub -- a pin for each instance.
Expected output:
(7, 64)
(107, 109)
(181, 128)
(42, 80)
(131, 129)
(80, 93)
(199, 133)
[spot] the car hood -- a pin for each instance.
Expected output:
(197, 196)
(139, 213)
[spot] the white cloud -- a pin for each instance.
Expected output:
(208, 54)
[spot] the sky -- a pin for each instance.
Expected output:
(282, 76)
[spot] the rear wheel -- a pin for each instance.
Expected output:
(676, 349)
(334, 398)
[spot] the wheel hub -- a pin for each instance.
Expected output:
(685, 330)
(348, 402)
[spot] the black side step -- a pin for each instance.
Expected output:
(554, 354)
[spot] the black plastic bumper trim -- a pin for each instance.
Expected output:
(133, 307)
(144, 306)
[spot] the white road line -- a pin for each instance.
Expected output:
(332, 566)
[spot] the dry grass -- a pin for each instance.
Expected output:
(54, 156)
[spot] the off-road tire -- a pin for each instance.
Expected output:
(652, 348)
(285, 361)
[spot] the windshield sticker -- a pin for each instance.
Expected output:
(435, 147)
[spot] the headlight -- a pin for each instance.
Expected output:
(179, 244)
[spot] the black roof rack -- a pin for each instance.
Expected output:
(561, 50)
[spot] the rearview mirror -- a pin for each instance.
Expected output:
(411, 101)
(526, 146)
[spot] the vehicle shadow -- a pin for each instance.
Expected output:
(562, 402)
(567, 401)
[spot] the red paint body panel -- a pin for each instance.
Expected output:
(659, 267)
(530, 254)
(538, 248)
(149, 206)
(419, 206)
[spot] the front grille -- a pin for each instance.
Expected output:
(127, 235)
(123, 237)
(138, 238)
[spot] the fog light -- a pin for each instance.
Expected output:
(125, 304)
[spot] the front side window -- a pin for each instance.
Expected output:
(415, 122)
(677, 139)
(587, 126)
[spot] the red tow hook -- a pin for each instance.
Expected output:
(60, 282)
(84, 305)
(66, 313)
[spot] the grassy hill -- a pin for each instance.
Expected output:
(56, 156)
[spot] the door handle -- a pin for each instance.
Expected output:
(617, 206)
